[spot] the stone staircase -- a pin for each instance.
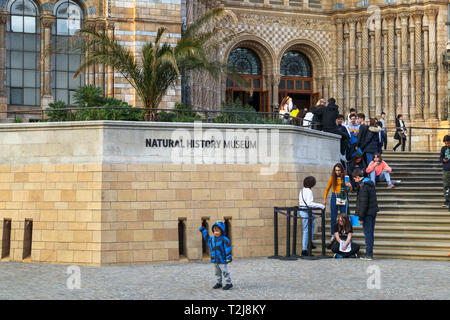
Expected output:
(411, 224)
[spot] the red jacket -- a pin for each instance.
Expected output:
(378, 169)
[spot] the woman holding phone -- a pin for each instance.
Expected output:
(339, 183)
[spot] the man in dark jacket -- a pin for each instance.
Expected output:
(366, 209)
(317, 111)
(328, 115)
(444, 158)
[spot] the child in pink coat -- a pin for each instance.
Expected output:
(379, 170)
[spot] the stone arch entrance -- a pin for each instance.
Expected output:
(256, 89)
(311, 80)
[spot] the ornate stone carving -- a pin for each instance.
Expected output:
(47, 21)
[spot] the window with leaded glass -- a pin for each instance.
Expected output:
(295, 64)
(65, 62)
(245, 61)
(22, 53)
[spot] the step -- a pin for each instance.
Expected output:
(417, 207)
(395, 245)
(400, 254)
(421, 214)
(403, 201)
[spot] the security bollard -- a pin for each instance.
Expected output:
(288, 237)
(275, 235)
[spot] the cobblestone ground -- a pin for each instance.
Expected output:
(259, 278)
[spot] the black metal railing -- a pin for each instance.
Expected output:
(292, 213)
(429, 139)
(208, 116)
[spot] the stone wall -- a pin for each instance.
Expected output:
(98, 196)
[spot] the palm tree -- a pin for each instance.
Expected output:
(161, 64)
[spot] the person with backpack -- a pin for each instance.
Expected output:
(371, 141)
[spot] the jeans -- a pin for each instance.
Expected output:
(334, 211)
(384, 176)
(222, 269)
(369, 157)
(446, 182)
(304, 215)
(369, 230)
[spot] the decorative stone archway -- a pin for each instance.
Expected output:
(265, 53)
(320, 65)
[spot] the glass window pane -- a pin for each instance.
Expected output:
(29, 24)
(61, 95)
(74, 26)
(247, 83)
(16, 78)
(28, 8)
(74, 62)
(281, 85)
(290, 84)
(16, 59)
(30, 42)
(16, 42)
(229, 82)
(62, 10)
(29, 78)
(61, 80)
(307, 85)
(29, 60)
(16, 96)
(62, 26)
(29, 96)
(17, 7)
(73, 84)
(298, 85)
(256, 83)
(16, 24)
(71, 99)
(61, 62)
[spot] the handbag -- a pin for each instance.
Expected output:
(341, 200)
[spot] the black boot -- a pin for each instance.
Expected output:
(228, 286)
(217, 286)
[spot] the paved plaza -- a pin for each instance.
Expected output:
(253, 279)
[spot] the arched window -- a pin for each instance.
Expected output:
(249, 88)
(295, 64)
(246, 61)
(69, 17)
(22, 53)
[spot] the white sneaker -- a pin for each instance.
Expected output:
(396, 181)
(390, 185)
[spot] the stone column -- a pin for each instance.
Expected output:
(378, 70)
(275, 93)
(385, 106)
(100, 68)
(372, 72)
(340, 62)
(365, 67)
(398, 32)
(405, 66)
(359, 65)
(47, 21)
(426, 104)
(432, 62)
(3, 97)
(90, 72)
(109, 70)
(418, 65)
(352, 60)
(390, 68)
(347, 70)
(412, 105)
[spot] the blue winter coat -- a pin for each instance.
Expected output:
(220, 247)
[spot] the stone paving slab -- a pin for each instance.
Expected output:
(253, 279)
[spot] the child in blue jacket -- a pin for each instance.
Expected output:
(220, 248)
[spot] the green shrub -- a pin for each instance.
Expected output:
(55, 113)
(181, 113)
(237, 113)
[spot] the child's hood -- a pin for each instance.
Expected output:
(219, 224)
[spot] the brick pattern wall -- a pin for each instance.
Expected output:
(128, 214)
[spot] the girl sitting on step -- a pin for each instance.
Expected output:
(343, 246)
